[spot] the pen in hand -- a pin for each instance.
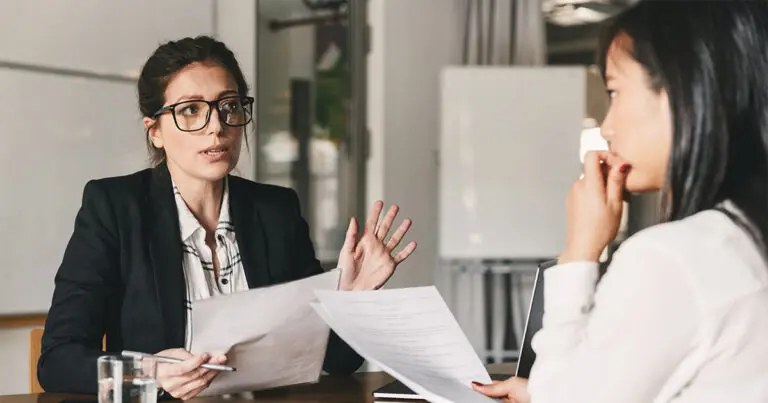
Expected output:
(215, 367)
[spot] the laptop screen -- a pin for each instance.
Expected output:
(533, 322)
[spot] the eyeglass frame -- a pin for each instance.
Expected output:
(211, 105)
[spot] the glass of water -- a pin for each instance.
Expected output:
(125, 379)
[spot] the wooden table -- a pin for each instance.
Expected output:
(337, 389)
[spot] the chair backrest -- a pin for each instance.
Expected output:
(35, 342)
(35, 338)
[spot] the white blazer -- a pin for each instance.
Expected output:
(681, 316)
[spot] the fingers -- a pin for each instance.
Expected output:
(405, 252)
(610, 158)
(386, 224)
(179, 353)
(372, 255)
(513, 388)
(614, 174)
(593, 173)
(172, 376)
(600, 167)
(190, 384)
(205, 380)
(194, 386)
(350, 241)
(178, 386)
(373, 218)
(615, 185)
(400, 232)
(190, 364)
(381, 265)
(193, 394)
(219, 360)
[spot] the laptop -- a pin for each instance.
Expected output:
(533, 322)
(395, 390)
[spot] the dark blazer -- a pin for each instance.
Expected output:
(122, 272)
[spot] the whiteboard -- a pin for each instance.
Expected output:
(58, 132)
(509, 152)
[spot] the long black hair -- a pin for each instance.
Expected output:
(712, 59)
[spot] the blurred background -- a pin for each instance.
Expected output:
(471, 115)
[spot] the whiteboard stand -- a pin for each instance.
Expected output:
(490, 299)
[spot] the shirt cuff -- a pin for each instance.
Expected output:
(569, 289)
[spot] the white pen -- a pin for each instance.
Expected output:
(215, 367)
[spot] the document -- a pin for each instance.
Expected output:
(412, 335)
(271, 335)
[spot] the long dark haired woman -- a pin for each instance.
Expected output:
(682, 313)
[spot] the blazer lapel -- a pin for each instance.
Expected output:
(249, 232)
(166, 255)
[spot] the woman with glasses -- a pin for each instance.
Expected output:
(148, 244)
(682, 313)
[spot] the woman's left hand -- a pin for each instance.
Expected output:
(594, 206)
(368, 263)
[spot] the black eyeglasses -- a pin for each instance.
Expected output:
(193, 115)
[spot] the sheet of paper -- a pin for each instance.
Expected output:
(271, 335)
(412, 335)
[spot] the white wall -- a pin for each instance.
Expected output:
(412, 40)
(84, 35)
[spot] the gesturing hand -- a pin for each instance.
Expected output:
(186, 379)
(594, 206)
(368, 263)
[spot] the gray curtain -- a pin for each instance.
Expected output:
(503, 32)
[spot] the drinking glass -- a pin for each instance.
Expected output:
(126, 379)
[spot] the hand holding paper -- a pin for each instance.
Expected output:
(412, 335)
(271, 335)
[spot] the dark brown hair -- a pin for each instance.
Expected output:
(166, 61)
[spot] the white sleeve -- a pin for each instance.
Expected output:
(618, 344)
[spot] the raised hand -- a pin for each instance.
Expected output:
(594, 206)
(368, 263)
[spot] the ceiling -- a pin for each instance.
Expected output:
(573, 26)
(569, 30)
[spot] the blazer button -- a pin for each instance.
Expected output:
(224, 281)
